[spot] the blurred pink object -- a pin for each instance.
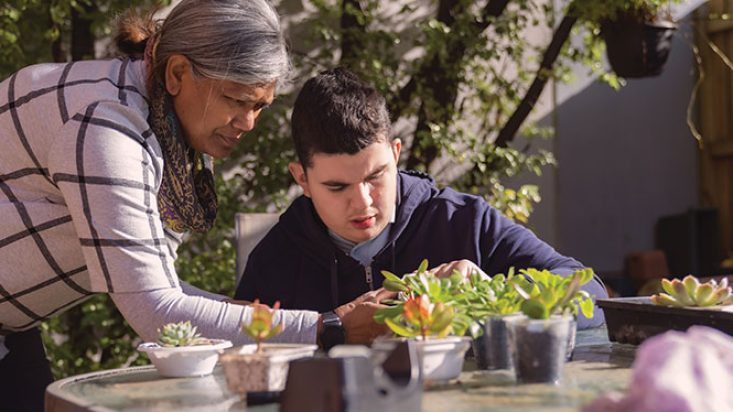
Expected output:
(678, 372)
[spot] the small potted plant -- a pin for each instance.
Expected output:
(539, 342)
(181, 352)
(638, 33)
(689, 292)
(261, 367)
(427, 315)
(492, 303)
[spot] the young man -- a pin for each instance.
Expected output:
(359, 215)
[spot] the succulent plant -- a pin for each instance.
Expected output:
(493, 296)
(261, 326)
(180, 334)
(420, 317)
(546, 293)
(425, 303)
(690, 292)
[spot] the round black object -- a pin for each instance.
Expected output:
(637, 49)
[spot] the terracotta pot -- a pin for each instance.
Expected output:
(184, 361)
(248, 371)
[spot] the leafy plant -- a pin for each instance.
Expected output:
(261, 326)
(546, 293)
(690, 292)
(420, 317)
(428, 305)
(180, 334)
(484, 297)
(644, 10)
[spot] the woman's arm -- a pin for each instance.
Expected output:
(148, 311)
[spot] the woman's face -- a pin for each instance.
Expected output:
(214, 114)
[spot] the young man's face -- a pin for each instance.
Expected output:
(354, 195)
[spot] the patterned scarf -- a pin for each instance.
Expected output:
(187, 196)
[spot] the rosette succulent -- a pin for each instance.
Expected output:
(690, 292)
(180, 334)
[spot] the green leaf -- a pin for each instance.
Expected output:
(535, 309)
(400, 330)
(391, 276)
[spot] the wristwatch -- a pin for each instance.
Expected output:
(333, 332)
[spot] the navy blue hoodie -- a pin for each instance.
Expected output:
(298, 264)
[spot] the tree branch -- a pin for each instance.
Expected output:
(511, 127)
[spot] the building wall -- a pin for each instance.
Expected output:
(625, 158)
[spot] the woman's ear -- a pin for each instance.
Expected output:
(176, 69)
(298, 172)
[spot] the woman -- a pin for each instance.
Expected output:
(105, 164)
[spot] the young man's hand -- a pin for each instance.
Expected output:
(357, 317)
(464, 266)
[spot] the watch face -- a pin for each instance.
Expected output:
(332, 335)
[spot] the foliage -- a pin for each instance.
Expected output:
(546, 293)
(690, 292)
(262, 324)
(597, 11)
(180, 334)
(428, 305)
(484, 297)
(90, 337)
(420, 317)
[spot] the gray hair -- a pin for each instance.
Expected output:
(236, 40)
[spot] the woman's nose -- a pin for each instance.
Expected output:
(245, 120)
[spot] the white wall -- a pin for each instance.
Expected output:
(625, 159)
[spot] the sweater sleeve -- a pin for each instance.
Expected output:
(148, 311)
(509, 244)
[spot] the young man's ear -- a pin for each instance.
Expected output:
(396, 147)
(177, 67)
(298, 172)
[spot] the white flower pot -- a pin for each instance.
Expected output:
(184, 361)
(248, 371)
(441, 359)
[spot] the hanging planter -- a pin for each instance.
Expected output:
(637, 48)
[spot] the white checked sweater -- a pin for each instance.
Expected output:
(79, 173)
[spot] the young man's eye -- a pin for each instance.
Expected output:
(335, 188)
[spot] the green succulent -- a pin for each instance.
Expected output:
(690, 292)
(546, 293)
(180, 334)
(441, 311)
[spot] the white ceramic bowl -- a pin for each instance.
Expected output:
(184, 361)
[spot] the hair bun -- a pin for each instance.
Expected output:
(133, 32)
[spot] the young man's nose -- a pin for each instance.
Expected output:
(362, 197)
